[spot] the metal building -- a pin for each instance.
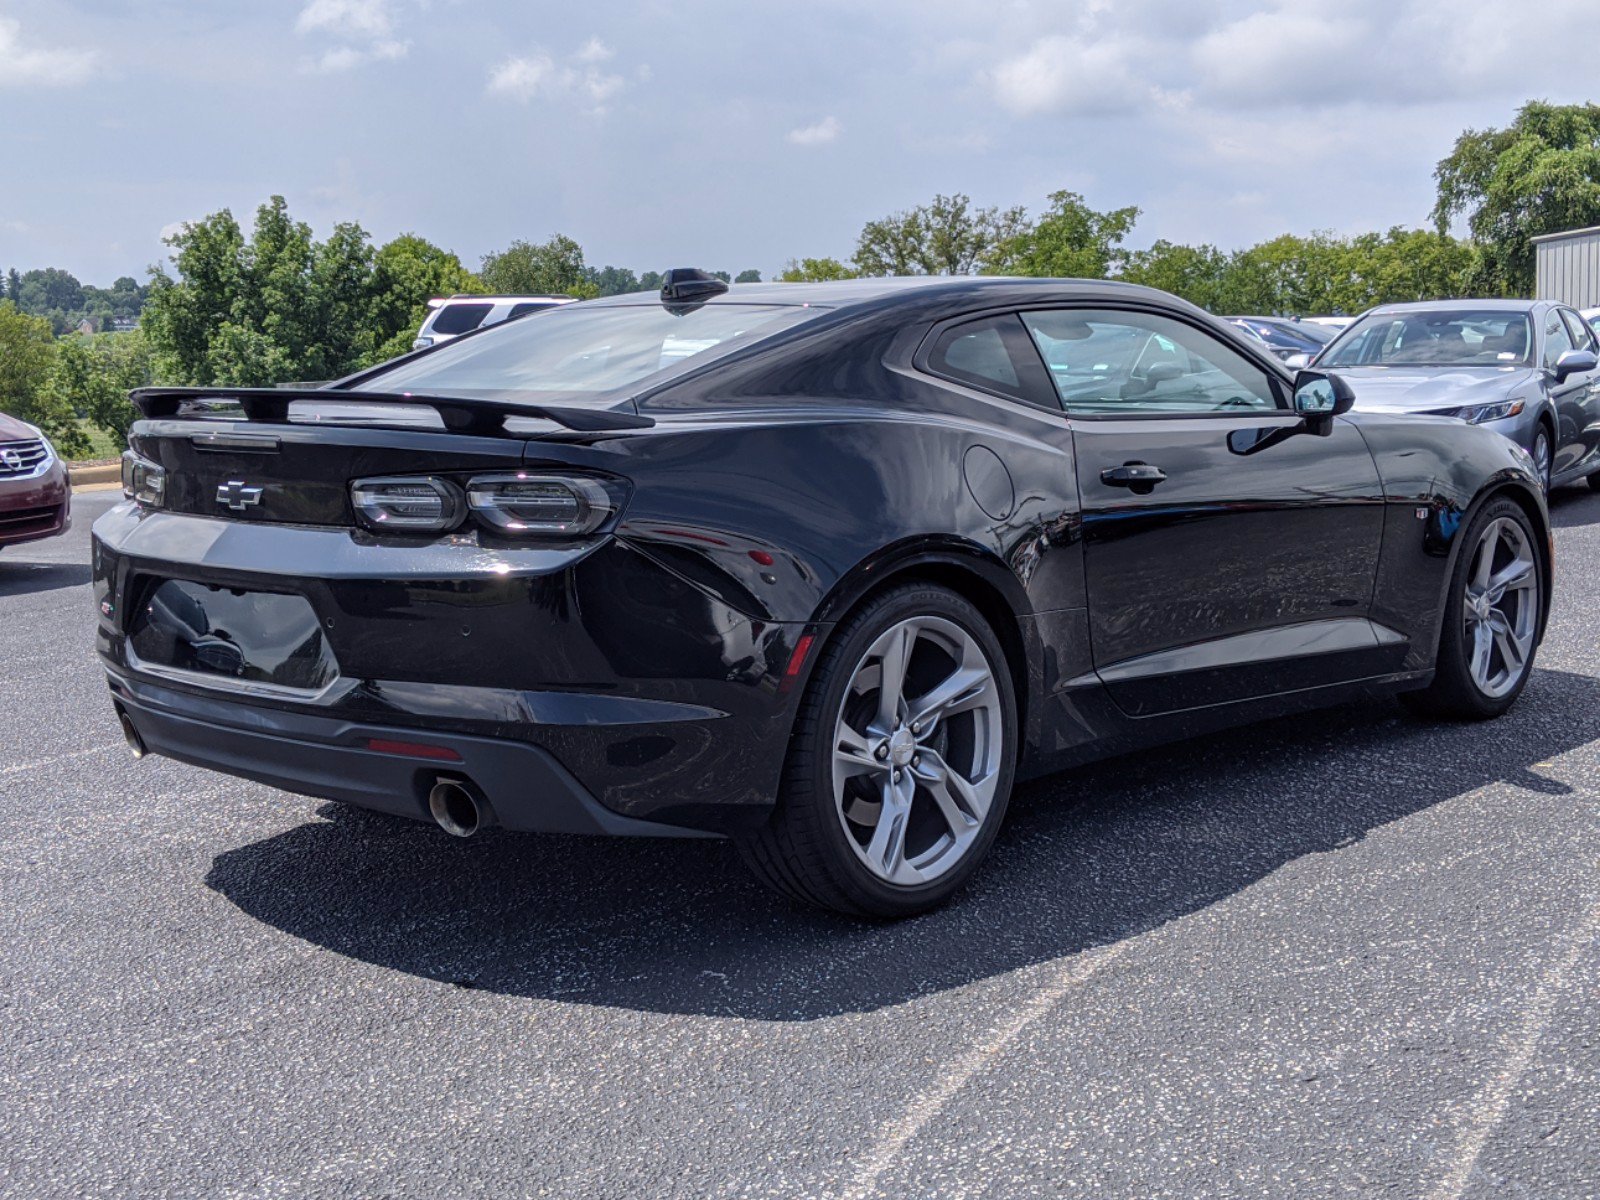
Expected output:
(1569, 267)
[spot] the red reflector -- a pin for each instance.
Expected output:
(798, 658)
(761, 556)
(413, 750)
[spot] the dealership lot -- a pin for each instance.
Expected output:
(1343, 954)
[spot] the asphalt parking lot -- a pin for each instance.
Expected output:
(1346, 954)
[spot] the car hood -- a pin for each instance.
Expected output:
(1429, 389)
(13, 430)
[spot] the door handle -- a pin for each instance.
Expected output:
(1139, 477)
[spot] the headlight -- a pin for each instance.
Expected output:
(414, 505)
(143, 480)
(1477, 414)
(525, 504)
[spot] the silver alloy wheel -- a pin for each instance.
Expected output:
(1501, 607)
(1541, 457)
(917, 750)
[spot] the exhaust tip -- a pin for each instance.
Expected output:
(131, 735)
(456, 807)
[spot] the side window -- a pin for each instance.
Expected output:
(980, 353)
(1582, 335)
(1105, 362)
(460, 318)
(1557, 341)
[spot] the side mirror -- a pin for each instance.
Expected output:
(1163, 372)
(1575, 362)
(1319, 398)
(1298, 362)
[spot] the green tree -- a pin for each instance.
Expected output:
(406, 274)
(1540, 174)
(945, 237)
(1070, 241)
(93, 376)
(524, 269)
(14, 286)
(748, 276)
(611, 281)
(277, 307)
(27, 360)
(1197, 273)
(48, 290)
(814, 270)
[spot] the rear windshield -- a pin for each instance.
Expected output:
(1444, 338)
(460, 318)
(581, 350)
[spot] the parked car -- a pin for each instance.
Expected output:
(1287, 336)
(35, 498)
(1333, 323)
(820, 568)
(452, 316)
(1524, 368)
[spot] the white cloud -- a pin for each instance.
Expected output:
(539, 76)
(1068, 74)
(824, 131)
(347, 18)
(173, 228)
(23, 66)
(348, 58)
(364, 28)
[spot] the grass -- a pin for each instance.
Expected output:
(101, 444)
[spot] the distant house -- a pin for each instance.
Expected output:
(86, 327)
(124, 324)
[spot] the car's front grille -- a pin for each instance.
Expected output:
(21, 458)
(28, 520)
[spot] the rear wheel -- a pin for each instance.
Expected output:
(1491, 618)
(901, 763)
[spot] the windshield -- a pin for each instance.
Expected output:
(579, 351)
(1441, 338)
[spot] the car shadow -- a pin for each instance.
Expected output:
(26, 578)
(1574, 505)
(1086, 858)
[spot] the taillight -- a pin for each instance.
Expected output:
(407, 505)
(528, 505)
(143, 480)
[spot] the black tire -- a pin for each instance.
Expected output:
(1454, 694)
(803, 851)
(1594, 481)
(1544, 463)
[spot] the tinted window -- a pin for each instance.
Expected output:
(460, 318)
(1582, 335)
(529, 306)
(1557, 341)
(1437, 338)
(583, 349)
(1122, 362)
(977, 353)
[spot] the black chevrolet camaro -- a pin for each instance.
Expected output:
(821, 568)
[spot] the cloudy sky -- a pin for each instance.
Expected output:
(741, 133)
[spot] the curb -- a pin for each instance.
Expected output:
(108, 473)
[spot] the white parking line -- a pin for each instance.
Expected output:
(1488, 1107)
(18, 768)
(893, 1137)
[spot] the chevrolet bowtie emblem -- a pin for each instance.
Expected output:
(235, 495)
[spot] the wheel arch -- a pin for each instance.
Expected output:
(963, 567)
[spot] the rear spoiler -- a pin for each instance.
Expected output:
(459, 414)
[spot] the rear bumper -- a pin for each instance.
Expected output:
(590, 674)
(527, 789)
(35, 508)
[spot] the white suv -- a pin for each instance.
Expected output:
(456, 315)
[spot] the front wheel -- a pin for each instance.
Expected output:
(1491, 618)
(1543, 455)
(901, 763)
